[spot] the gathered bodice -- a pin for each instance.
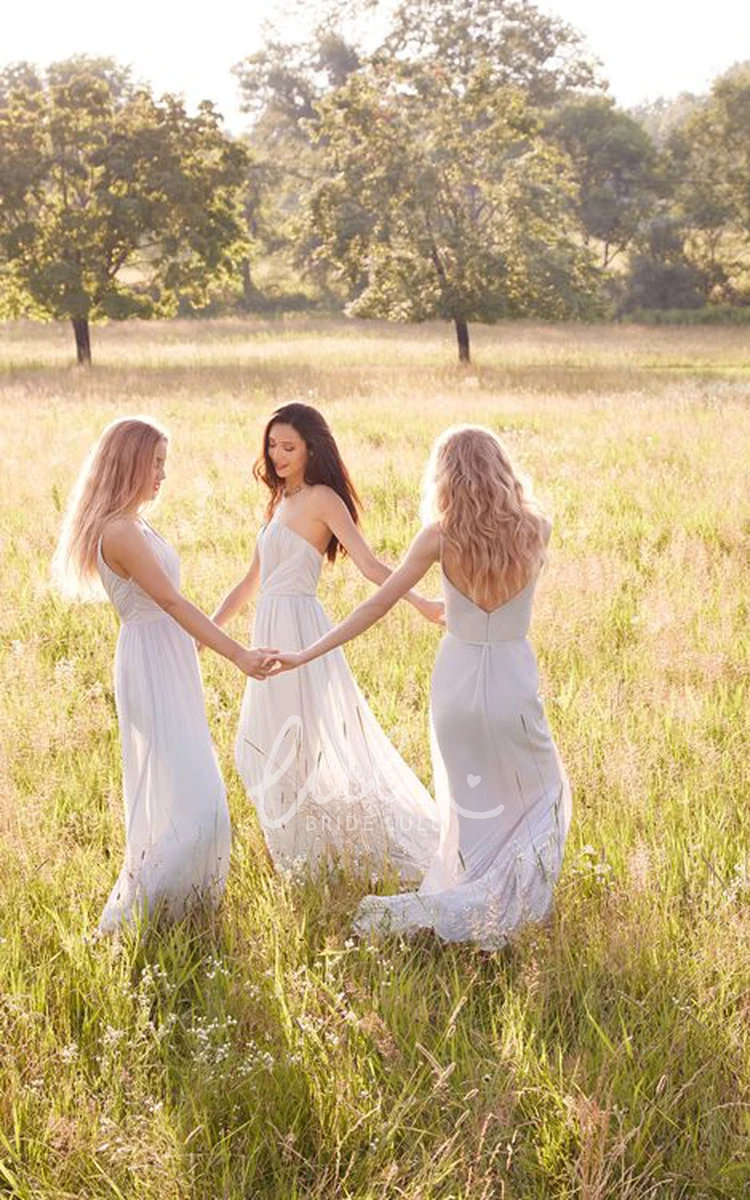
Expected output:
(470, 623)
(134, 606)
(289, 564)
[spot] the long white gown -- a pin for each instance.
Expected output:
(501, 789)
(326, 781)
(176, 819)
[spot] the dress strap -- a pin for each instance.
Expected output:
(150, 528)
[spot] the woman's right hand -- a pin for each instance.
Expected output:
(257, 663)
(288, 661)
(433, 610)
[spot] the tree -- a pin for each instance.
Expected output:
(517, 44)
(660, 274)
(445, 201)
(711, 163)
(112, 204)
(285, 83)
(616, 168)
(661, 118)
(281, 85)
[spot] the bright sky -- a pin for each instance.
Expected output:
(648, 48)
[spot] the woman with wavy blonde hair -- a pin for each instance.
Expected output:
(177, 823)
(502, 792)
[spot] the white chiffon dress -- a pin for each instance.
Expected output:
(501, 789)
(326, 781)
(176, 819)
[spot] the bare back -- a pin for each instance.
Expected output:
(458, 573)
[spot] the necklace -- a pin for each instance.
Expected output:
(294, 491)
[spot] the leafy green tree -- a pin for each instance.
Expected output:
(711, 163)
(284, 84)
(516, 43)
(112, 204)
(444, 200)
(663, 117)
(616, 168)
(280, 86)
(660, 275)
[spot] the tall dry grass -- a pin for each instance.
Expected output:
(269, 1055)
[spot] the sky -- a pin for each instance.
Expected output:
(647, 48)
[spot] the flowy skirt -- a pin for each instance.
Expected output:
(176, 819)
(503, 797)
(326, 781)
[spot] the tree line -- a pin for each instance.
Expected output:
(470, 167)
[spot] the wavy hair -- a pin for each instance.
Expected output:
(324, 463)
(494, 529)
(111, 483)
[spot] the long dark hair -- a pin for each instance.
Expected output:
(324, 463)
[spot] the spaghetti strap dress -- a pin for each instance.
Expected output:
(177, 830)
(502, 792)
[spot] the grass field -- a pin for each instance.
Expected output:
(270, 1056)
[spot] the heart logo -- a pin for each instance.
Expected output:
(473, 780)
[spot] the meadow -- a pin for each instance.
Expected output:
(267, 1053)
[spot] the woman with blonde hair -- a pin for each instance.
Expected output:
(501, 790)
(177, 823)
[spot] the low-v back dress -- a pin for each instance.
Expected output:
(501, 789)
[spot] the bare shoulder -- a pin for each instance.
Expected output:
(123, 541)
(324, 498)
(121, 531)
(326, 505)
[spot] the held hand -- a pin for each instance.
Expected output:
(287, 661)
(433, 610)
(257, 663)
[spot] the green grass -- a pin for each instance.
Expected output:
(266, 1054)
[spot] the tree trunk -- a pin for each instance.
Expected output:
(250, 292)
(462, 335)
(83, 340)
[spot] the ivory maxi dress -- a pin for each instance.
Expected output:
(327, 783)
(177, 831)
(502, 792)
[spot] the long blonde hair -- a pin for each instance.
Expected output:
(491, 526)
(111, 483)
